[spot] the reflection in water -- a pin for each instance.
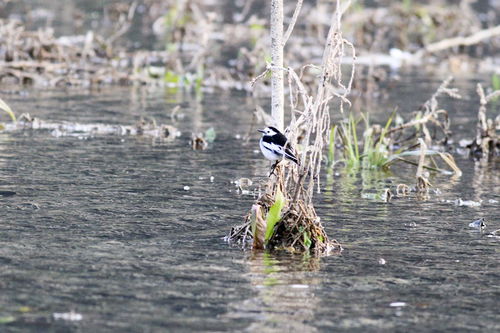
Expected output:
(485, 173)
(285, 300)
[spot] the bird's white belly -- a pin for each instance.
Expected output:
(270, 155)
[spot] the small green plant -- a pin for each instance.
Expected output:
(172, 78)
(307, 240)
(375, 152)
(350, 142)
(274, 214)
(376, 149)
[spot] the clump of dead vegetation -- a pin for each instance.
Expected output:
(278, 221)
(40, 58)
(421, 141)
(486, 144)
(196, 45)
(142, 128)
(410, 25)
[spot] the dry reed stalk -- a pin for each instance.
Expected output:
(430, 114)
(487, 141)
(423, 183)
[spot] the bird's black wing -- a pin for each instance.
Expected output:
(270, 144)
(279, 139)
(280, 142)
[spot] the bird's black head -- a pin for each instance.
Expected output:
(274, 129)
(269, 131)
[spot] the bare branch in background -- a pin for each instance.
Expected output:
(296, 13)
(463, 41)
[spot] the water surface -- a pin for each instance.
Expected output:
(104, 226)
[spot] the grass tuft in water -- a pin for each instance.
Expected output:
(374, 145)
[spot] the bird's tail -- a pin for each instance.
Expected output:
(291, 156)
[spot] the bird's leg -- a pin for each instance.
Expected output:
(273, 167)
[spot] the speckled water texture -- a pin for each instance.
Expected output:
(125, 234)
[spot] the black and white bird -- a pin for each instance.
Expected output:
(274, 147)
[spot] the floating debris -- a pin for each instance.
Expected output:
(69, 316)
(467, 203)
(478, 224)
(402, 190)
(382, 261)
(299, 286)
(198, 142)
(61, 129)
(243, 183)
(387, 195)
(495, 234)
(28, 206)
(397, 304)
(186, 188)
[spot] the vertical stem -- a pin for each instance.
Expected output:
(277, 94)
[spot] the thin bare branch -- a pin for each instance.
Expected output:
(296, 13)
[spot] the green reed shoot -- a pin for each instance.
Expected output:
(350, 142)
(375, 151)
(274, 214)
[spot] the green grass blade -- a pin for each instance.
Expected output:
(355, 137)
(274, 214)
(495, 82)
(307, 240)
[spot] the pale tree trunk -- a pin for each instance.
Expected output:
(277, 95)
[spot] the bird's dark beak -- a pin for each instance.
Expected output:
(262, 131)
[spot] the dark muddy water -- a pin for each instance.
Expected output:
(103, 226)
